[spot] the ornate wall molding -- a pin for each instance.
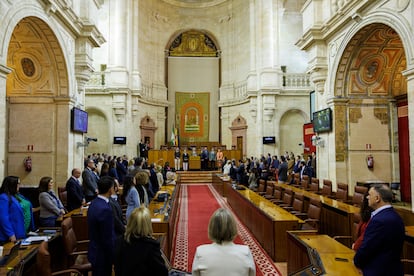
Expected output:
(193, 44)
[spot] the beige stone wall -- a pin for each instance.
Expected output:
(37, 114)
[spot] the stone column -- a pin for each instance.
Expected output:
(118, 47)
(136, 83)
(266, 15)
(259, 125)
(4, 71)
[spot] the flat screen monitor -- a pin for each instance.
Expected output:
(322, 120)
(269, 139)
(120, 140)
(79, 120)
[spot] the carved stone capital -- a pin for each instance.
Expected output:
(318, 77)
(268, 113)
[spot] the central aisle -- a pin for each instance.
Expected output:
(197, 204)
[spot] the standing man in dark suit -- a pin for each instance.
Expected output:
(90, 180)
(101, 229)
(204, 159)
(75, 197)
(383, 240)
(141, 149)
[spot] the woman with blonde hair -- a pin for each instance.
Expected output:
(138, 253)
(223, 257)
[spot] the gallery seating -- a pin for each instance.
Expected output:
(277, 194)
(63, 195)
(313, 215)
(76, 259)
(408, 266)
(269, 190)
(326, 188)
(43, 263)
(304, 183)
(341, 193)
(351, 238)
(359, 194)
(261, 190)
(313, 185)
(297, 204)
(287, 199)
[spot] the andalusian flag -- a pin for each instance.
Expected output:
(176, 139)
(172, 140)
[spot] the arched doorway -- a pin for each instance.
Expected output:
(38, 111)
(239, 134)
(148, 129)
(368, 87)
(291, 133)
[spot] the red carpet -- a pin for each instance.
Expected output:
(197, 204)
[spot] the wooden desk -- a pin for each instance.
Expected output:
(312, 254)
(25, 262)
(163, 223)
(267, 221)
(219, 183)
(409, 232)
(337, 218)
(194, 163)
(408, 249)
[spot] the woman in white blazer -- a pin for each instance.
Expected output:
(223, 257)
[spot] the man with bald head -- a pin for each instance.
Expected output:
(383, 240)
(74, 192)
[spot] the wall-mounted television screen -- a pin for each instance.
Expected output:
(322, 120)
(269, 139)
(79, 120)
(120, 140)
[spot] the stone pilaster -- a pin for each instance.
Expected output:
(4, 71)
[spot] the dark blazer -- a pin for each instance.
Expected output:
(101, 237)
(140, 257)
(382, 245)
(74, 194)
(119, 221)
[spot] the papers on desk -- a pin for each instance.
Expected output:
(35, 239)
(156, 220)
